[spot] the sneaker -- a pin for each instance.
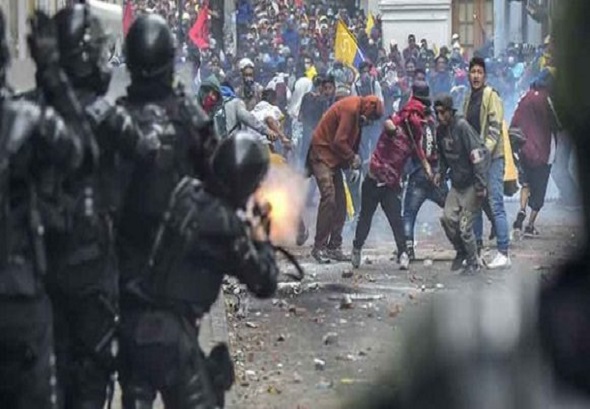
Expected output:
(404, 261)
(530, 231)
(320, 256)
(337, 255)
(302, 234)
(410, 250)
(501, 261)
(520, 217)
(356, 258)
(458, 262)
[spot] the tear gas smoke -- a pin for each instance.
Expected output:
(285, 191)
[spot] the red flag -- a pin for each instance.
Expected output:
(199, 33)
(128, 16)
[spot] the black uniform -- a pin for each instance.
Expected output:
(184, 141)
(80, 208)
(33, 139)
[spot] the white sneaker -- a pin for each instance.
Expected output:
(499, 262)
(404, 261)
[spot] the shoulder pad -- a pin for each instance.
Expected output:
(99, 110)
(20, 118)
(217, 218)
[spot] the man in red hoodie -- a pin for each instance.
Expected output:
(334, 146)
(401, 137)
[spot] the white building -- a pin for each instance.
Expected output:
(474, 20)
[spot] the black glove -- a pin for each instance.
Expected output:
(42, 41)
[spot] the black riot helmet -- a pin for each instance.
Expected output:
(239, 165)
(83, 48)
(4, 53)
(150, 48)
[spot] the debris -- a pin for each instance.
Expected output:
(423, 288)
(273, 390)
(250, 374)
(358, 297)
(347, 274)
(362, 353)
(350, 357)
(297, 378)
(440, 286)
(345, 302)
(395, 310)
(346, 381)
(330, 338)
(280, 338)
(342, 321)
(292, 288)
(412, 296)
(370, 278)
(428, 262)
(251, 324)
(368, 261)
(320, 364)
(324, 384)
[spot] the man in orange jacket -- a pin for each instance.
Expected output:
(334, 146)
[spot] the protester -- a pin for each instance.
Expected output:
(485, 113)
(468, 175)
(534, 118)
(334, 147)
(402, 135)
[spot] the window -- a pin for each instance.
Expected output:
(473, 20)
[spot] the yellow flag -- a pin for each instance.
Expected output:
(349, 203)
(346, 49)
(370, 24)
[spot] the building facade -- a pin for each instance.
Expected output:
(476, 21)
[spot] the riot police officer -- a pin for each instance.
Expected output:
(83, 277)
(200, 239)
(33, 138)
(184, 137)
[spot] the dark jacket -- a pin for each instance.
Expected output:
(463, 154)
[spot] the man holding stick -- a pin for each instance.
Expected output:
(401, 136)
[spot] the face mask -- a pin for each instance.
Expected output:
(209, 103)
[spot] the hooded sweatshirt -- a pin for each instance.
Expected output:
(392, 151)
(337, 137)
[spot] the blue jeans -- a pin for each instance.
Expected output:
(418, 190)
(496, 199)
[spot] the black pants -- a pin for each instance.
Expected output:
(27, 363)
(160, 353)
(537, 179)
(390, 202)
(84, 335)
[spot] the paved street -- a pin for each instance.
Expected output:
(315, 346)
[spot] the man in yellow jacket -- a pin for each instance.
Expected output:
(484, 111)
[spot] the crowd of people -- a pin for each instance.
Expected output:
(120, 220)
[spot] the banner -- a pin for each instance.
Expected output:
(346, 49)
(199, 33)
(370, 24)
(128, 16)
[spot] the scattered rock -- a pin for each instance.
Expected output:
(440, 286)
(346, 302)
(347, 274)
(273, 390)
(428, 263)
(412, 296)
(280, 338)
(362, 353)
(251, 324)
(324, 384)
(368, 261)
(250, 374)
(319, 364)
(423, 288)
(297, 378)
(395, 310)
(342, 321)
(330, 338)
